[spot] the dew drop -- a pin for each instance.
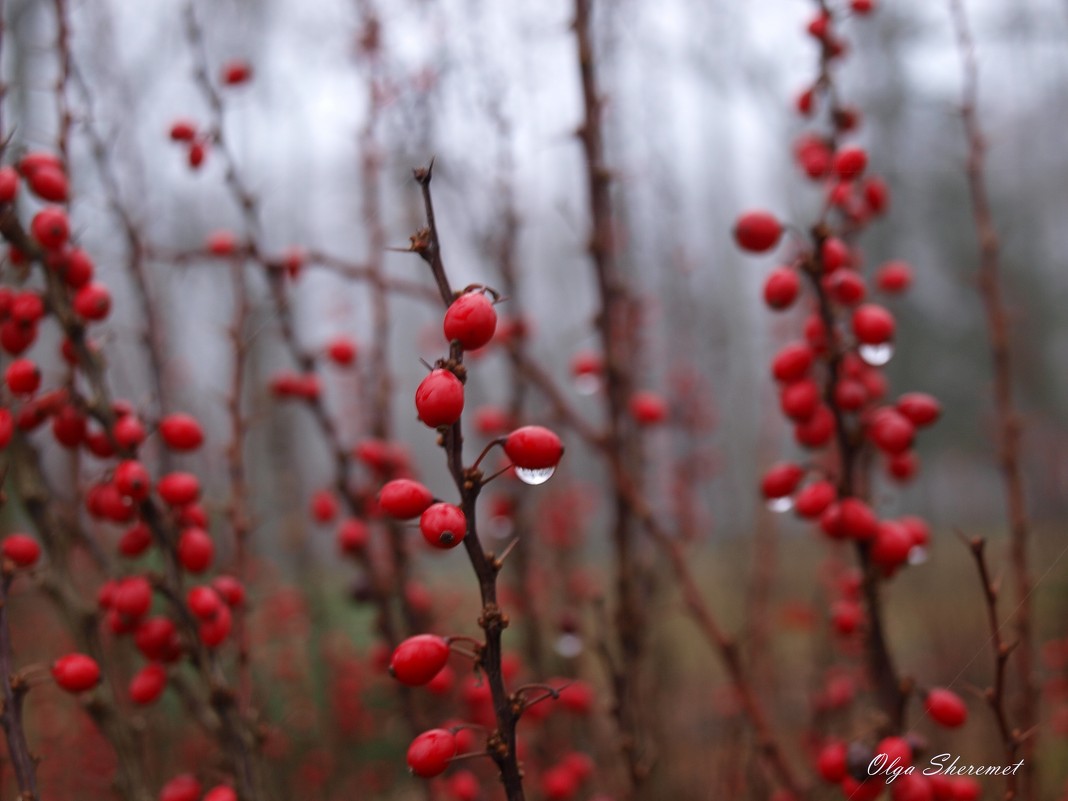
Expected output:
(568, 645)
(587, 383)
(534, 476)
(917, 555)
(780, 505)
(876, 355)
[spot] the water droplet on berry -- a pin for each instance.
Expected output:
(780, 505)
(534, 476)
(917, 555)
(876, 355)
(587, 383)
(568, 645)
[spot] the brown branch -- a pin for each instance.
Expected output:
(1007, 416)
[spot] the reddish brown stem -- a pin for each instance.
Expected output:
(14, 691)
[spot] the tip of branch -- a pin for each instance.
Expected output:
(423, 175)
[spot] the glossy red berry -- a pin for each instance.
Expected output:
(418, 659)
(183, 131)
(135, 540)
(835, 254)
(181, 432)
(221, 243)
(757, 231)
(811, 501)
(133, 597)
(872, 324)
(324, 506)
(404, 499)
(221, 793)
(891, 545)
(50, 228)
(198, 151)
(133, 480)
(845, 287)
(443, 525)
(862, 6)
(792, 362)
(204, 602)
(471, 320)
(559, 784)
(533, 448)
(9, 184)
(817, 430)
(920, 408)
(157, 638)
(23, 377)
(781, 480)
(439, 399)
(894, 277)
(213, 632)
(236, 72)
(850, 162)
(352, 535)
(184, 787)
(49, 183)
(76, 673)
(22, 549)
(178, 489)
(831, 762)
(857, 519)
(895, 748)
(129, 431)
(148, 684)
(430, 752)
(648, 408)
(342, 351)
(891, 431)
(801, 399)
(946, 708)
(195, 550)
(781, 288)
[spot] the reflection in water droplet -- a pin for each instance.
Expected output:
(917, 555)
(568, 645)
(500, 527)
(876, 355)
(534, 477)
(587, 383)
(780, 505)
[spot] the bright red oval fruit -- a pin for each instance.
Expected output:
(342, 351)
(50, 228)
(133, 597)
(196, 551)
(443, 525)
(648, 408)
(831, 762)
(813, 499)
(439, 399)
(891, 545)
(419, 659)
(76, 673)
(757, 231)
(850, 162)
(471, 320)
(894, 277)
(857, 520)
(920, 408)
(178, 488)
(533, 448)
(181, 432)
(221, 793)
(872, 324)
(430, 753)
(792, 362)
(49, 183)
(23, 377)
(404, 498)
(183, 787)
(781, 288)
(781, 480)
(22, 549)
(352, 535)
(801, 399)
(148, 684)
(946, 708)
(133, 480)
(891, 431)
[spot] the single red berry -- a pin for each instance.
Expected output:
(857, 520)
(76, 673)
(559, 784)
(9, 184)
(781, 480)
(352, 535)
(471, 320)
(895, 748)
(92, 301)
(891, 431)
(221, 243)
(846, 617)
(15, 337)
(236, 72)
(872, 324)
(148, 684)
(533, 448)
(648, 408)
(463, 786)
(792, 362)
(129, 431)
(835, 254)
(831, 762)
(78, 270)
(22, 549)
(862, 6)
(184, 787)
(181, 432)
(195, 550)
(876, 194)
(817, 430)
(49, 183)
(443, 525)
(23, 377)
(50, 228)
(801, 399)
(439, 399)
(894, 277)
(813, 499)
(820, 25)
(324, 506)
(133, 597)
(342, 351)
(135, 540)
(804, 102)
(204, 602)
(850, 162)
(221, 793)
(920, 408)
(183, 130)
(430, 752)
(946, 708)
(133, 480)
(198, 151)
(418, 659)
(757, 231)
(966, 789)
(404, 498)
(845, 287)
(891, 545)
(903, 466)
(178, 489)
(850, 394)
(781, 288)
(492, 420)
(157, 638)
(33, 161)
(213, 632)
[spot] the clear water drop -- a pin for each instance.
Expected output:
(780, 505)
(876, 355)
(501, 527)
(587, 383)
(917, 555)
(568, 645)
(534, 476)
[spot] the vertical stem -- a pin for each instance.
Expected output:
(14, 691)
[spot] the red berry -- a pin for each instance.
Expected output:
(430, 752)
(895, 748)
(872, 324)
(49, 183)
(946, 708)
(533, 448)
(133, 480)
(157, 638)
(324, 506)
(9, 184)
(236, 72)
(559, 784)
(857, 520)
(894, 277)
(418, 659)
(648, 408)
(781, 480)
(76, 673)
(181, 432)
(903, 466)
(204, 602)
(78, 269)
(781, 288)
(835, 254)
(463, 786)
(757, 231)
(966, 789)
(135, 540)
(876, 194)
(813, 499)
(492, 420)
(129, 432)
(443, 525)
(891, 431)
(178, 489)
(850, 395)
(221, 793)
(850, 162)
(845, 287)
(439, 399)
(471, 320)
(846, 617)
(148, 684)
(7, 427)
(213, 632)
(342, 351)
(198, 151)
(831, 762)
(891, 545)
(404, 499)
(183, 131)
(221, 243)
(51, 228)
(23, 377)
(792, 362)
(862, 6)
(22, 549)
(801, 399)
(920, 408)
(184, 787)
(133, 597)
(195, 550)
(817, 430)
(352, 535)
(31, 162)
